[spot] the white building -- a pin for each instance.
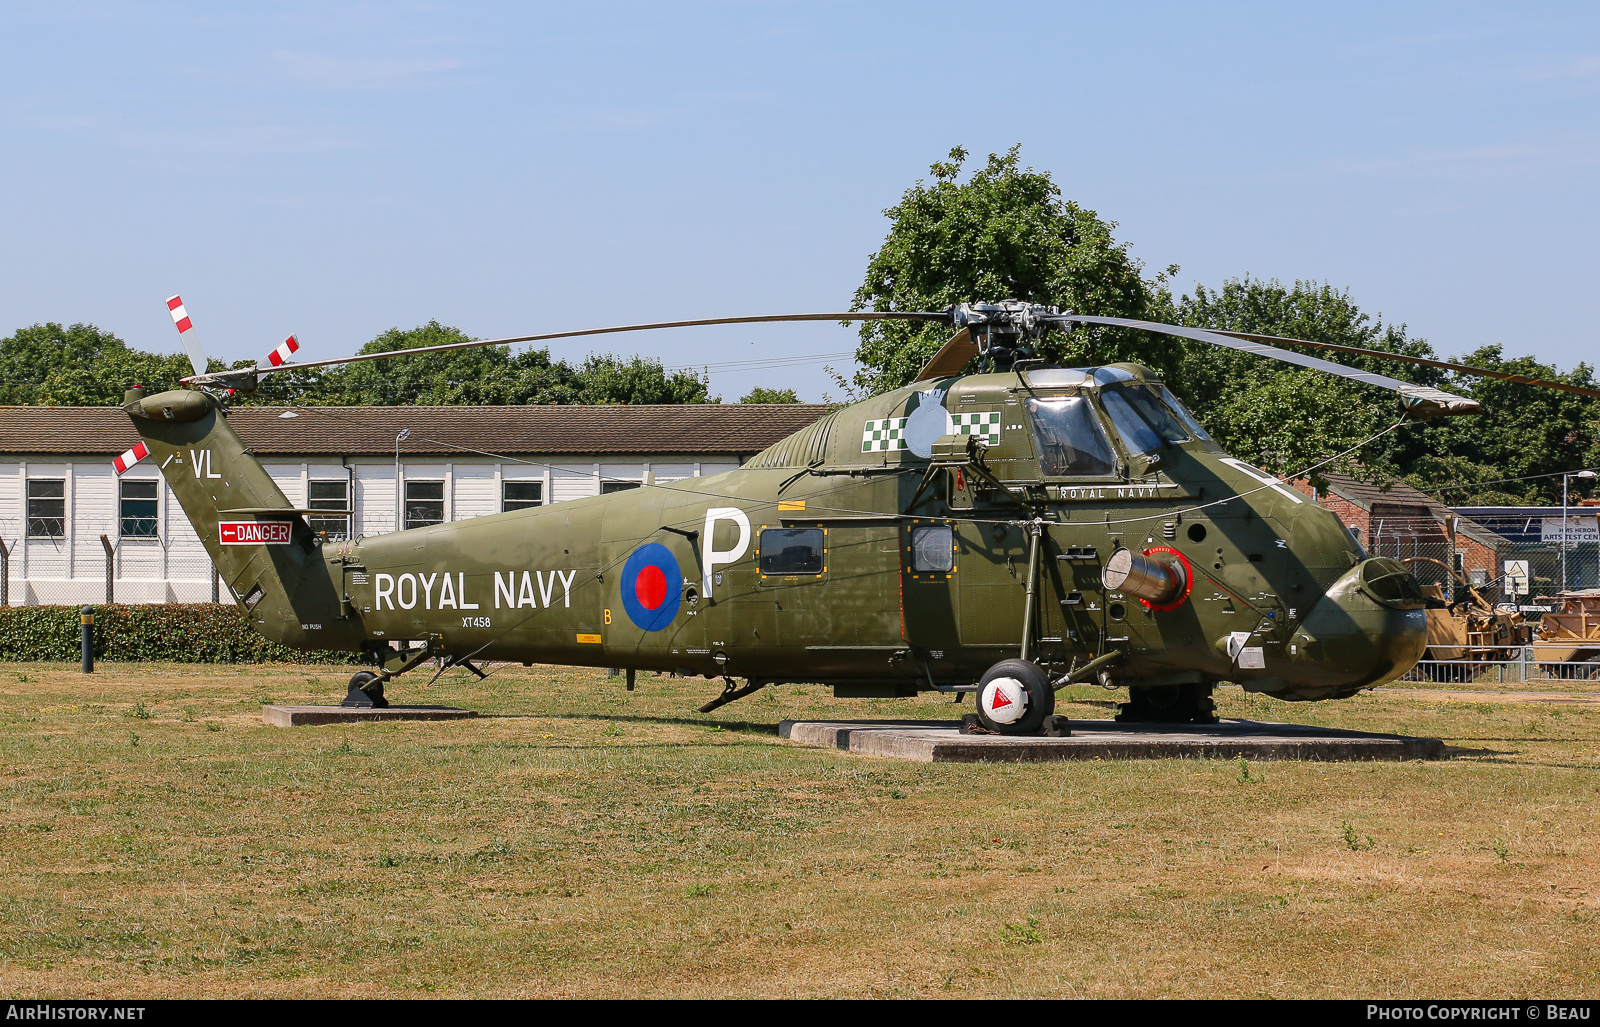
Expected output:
(390, 466)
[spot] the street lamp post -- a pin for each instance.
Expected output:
(400, 491)
(1565, 479)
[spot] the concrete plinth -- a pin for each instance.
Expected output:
(305, 716)
(934, 742)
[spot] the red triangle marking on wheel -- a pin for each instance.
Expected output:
(1000, 701)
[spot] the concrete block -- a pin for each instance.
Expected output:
(940, 742)
(306, 716)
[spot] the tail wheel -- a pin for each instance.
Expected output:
(366, 691)
(1015, 697)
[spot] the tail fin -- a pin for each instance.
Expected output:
(259, 543)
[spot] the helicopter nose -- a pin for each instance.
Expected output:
(1370, 627)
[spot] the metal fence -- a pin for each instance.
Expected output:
(155, 569)
(1528, 668)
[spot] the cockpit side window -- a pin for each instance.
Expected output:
(1174, 404)
(1148, 401)
(1069, 437)
(1136, 435)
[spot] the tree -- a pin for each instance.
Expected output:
(1003, 234)
(760, 394)
(488, 375)
(46, 364)
(1525, 432)
(1279, 416)
(1286, 419)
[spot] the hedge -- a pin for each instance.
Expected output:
(168, 632)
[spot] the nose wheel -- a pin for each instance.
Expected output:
(1015, 698)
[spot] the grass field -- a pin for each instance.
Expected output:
(158, 840)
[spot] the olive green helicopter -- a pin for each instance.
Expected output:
(1006, 532)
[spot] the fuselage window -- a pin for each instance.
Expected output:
(1069, 437)
(791, 551)
(1136, 435)
(933, 549)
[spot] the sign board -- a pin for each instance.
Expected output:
(1517, 576)
(1580, 527)
(254, 533)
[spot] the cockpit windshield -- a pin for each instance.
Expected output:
(1069, 437)
(1165, 413)
(1136, 435)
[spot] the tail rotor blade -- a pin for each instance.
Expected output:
(185, 326)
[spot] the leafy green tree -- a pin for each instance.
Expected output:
(1277, 415)
(81, 365)
(1525, 432)
(1005, 233)
(1286, 419)
(604, 378)
(760, 394)
(488, 375)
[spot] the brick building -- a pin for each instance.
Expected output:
(1397, 521)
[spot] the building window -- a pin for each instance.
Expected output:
(521, 495)
(138, 509)
(47, 508)
(424, 503)
(608, 487)
(329, 495)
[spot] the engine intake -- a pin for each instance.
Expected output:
(1156, 581)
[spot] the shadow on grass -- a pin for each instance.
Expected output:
(739, 726)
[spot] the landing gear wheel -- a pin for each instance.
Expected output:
(1169, 704)
(1014, 698)
(366, 691)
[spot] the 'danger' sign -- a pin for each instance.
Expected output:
(254, 533)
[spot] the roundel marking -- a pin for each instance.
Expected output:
(652, 586)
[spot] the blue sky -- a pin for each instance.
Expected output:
(337, 169)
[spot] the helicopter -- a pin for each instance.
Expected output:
(1006, 532)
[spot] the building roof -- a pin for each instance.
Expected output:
(688, 428)
(1366, 495)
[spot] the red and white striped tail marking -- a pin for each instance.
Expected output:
(285, 350)
(131, 457)
(180, 316)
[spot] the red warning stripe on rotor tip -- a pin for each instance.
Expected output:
(131, 457)
(180, 316)
(286, 349)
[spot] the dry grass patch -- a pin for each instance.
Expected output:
(158, 839)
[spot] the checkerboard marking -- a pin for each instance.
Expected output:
(883, 435)
(980, 422)
(889, 433)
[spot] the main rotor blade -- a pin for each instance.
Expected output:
(858, 315)
(1419, 361)
(1419, 400)
(951, 358)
